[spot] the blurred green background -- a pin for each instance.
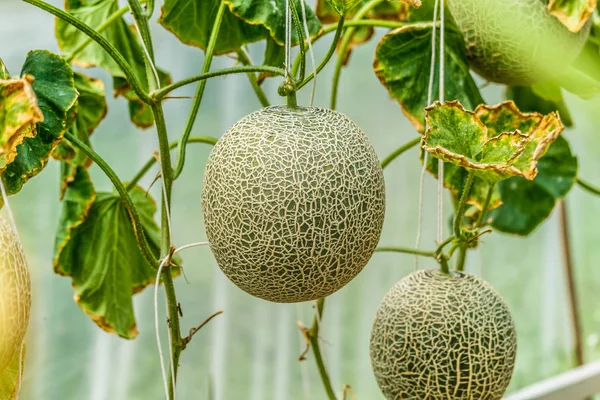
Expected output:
(251, 351)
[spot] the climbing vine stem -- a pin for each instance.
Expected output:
(123, 192)
(485, 207)
(588, 187)
(460, 209)
(208, 56)
(399, 151)
(346, 39)
(151, 161)
(313, 337)
(104, 43)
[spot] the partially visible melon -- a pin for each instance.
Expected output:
(15, 294)
(443, 337)
(516, 42)
(293, 203)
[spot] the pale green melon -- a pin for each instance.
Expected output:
(15, 294)
(516, 42)
(293, 203)
(443, 337)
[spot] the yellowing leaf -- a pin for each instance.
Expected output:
(9, 378)
(495, 142)
(572, 13)
(19, 113)
(402, 64)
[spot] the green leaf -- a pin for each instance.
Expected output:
(572, 13)
(389, 10)
(19, 113)
(123, 37)
(96, 246)
(9, 378)
(526, 204)
(402, 64)
(494, 142)
(56, 94)
(274, 56)
(271, 15)
(244, 21)
(3, 71)
(94, 13)
(544, 98)
(140, 113)
(454, 180)
(343, 6)
(89, 111)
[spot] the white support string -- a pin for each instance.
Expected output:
(156, 324)
(288, 39)
(312, 54)
(426, 155)
(440, 232)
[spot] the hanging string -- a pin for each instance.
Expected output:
(426, 155)
(310, 51)
(288, 39)
(440, 232)
(156, 324)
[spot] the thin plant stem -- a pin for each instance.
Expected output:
(260, 93)
(571, 287)
(325, 60)
(107, 22)
(142, 21)
(588, 187)
(208, 56)
(486, 205)
(460, 209)
(338, 28)
(123, 192)
(163, 92)
(301, 38)
(346, 39)
(405, 250)
(132, 79)
(151, 161)
(313, 336)
(462, 257)
(399, 151)
(177, 344)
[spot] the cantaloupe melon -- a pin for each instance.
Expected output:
(443, 337)
(293, 202)
(516, 42)
(15, 294)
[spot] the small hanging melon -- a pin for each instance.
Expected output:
(516, 42)
(443, 337)
(15, 294)
(293, 202)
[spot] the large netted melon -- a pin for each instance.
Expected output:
(293, 203)
(15, 294)
(516, 42)
(443, 337)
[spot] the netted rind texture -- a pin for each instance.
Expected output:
(15, 294)
(443, 337)
(293, 203)
(516, 42)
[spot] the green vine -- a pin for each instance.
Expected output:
(208, 56)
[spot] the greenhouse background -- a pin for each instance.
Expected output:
(251, 351)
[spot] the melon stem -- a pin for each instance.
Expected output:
(291, 101)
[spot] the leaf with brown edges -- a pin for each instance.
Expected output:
(19, 113)
(572, 13)
(494, 142)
